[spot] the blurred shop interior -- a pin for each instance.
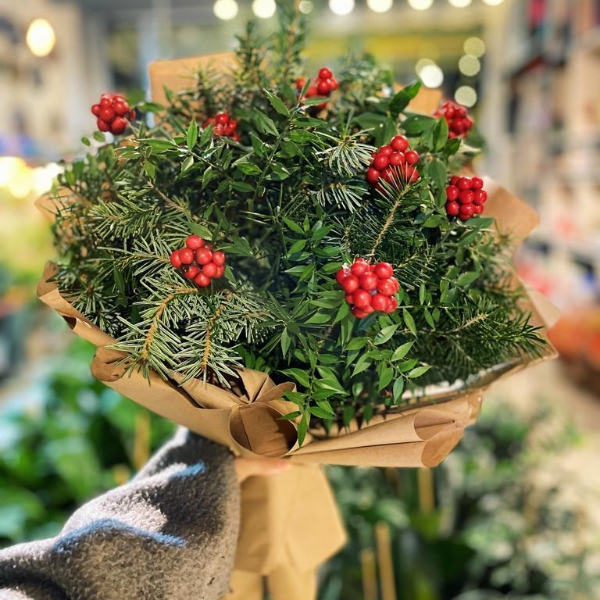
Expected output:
(529, 70)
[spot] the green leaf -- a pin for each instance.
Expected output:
(150, 169)
(416, 124)
(440, 134)
(356, 343)
(277, 103)
(401, 351)
(385, 377)
(303, 427)
(398, 388)
(318, 319)
(298, 375)
(265, 124)
(187, 163)
(319, 412)
(385, 334)
(418, 371)
(85, 141)
(293, 226)
(409, 321)
(285, 342)
(99, 136)
(201, 230)
(291, 416)
(192, 135)
(297, 246)
(402, 99)
(361, 365)
(467, 278)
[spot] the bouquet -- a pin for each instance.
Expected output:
(294, 264)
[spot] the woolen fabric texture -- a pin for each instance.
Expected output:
(170, 533)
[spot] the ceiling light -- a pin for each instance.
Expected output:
(264, 9)
(460, 3)
(420, 4)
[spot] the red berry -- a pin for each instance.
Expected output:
(218, 258)
(360, 267)
(96, 110)
(131, 115)
(399, 143)
(464, 183)
(222, 119)
(392, 305)
(452, 192)
(369, 281)
(477, 209)
(102, 125)
(411, 174)
(202, 280)
(476, 183)
(452, 208)
(120, 108)
(204, 256)
(412, 157)
(385, 151)
(341, 274)
(466, 212)
(107, 114)
(384, 270)
(381, 162)
(220, 272)
(325, 73)
(397, 159)
(175, 259)
(106, 101)
(334, 84)
(118, 126)
(191, 272)
(350, 284)
(466, 197)
(194, 242)
(395, 283)
(379, 302)
(454, 180)
(210, 270)
(373, 175)
(360, 313)
(386, 287)
(479, 197)
(324, 87)
(186, 256)
(300, 82)
(362, 298)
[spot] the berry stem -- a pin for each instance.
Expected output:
(209, 329)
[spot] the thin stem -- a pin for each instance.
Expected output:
(389, 220)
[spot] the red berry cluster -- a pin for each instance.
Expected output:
(459, 122)
(198, 261)
(223, 124)
(322, 85)
(466, 197)
(113, 112)
(369, 287)
(394, 160)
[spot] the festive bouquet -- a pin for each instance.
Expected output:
(299, 266)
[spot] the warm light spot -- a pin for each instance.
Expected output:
(226, 9)
(40, 37)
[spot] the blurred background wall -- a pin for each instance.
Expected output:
(514, 513)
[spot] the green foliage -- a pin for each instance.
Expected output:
(289, 205)
(497, 530)
(75, 440)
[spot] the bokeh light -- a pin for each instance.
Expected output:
(305, 7)
(380, 6)
(40, 37)
(226, 9)
(264, 9)
(493, 2)
(431, 76)
(341, 7)
(466, 95)
(469, 65)
(460, 3)
(420, 4)
(474, 46)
